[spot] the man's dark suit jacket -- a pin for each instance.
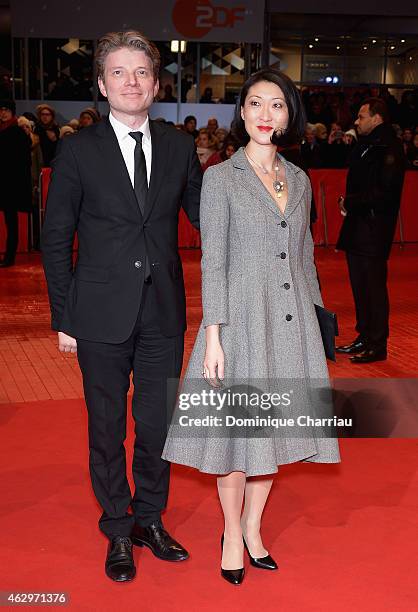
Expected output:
(91, 194)
(373, 194)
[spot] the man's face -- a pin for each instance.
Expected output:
(128, 81)
(5, 114)
(212, 125)
(365, 122)
(191, 126)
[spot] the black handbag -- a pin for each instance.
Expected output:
(329, 329)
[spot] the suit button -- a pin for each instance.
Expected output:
(283, 224)
(282, 255)
(286, 286)
(138, 264)
(289, 317)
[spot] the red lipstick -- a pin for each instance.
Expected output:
(264, 128)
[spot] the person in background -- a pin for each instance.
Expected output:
(15, 176)
(66, 130)
(190, 126)
(88, 117)
(48, 132)
(309, 149)
(407, 137)
(168, 94)
(36, 166)
(206, 145)
(212, 125)
(75, 124)
(206, 98)
(229, 147)
(350, 142)
(370, 208)
(412, 157)
(336, 151)
(220, 135)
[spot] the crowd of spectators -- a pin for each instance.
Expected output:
(329, 137)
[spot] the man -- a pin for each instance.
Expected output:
(119, 184)
(212, 125)
(190, 126)
(371, 206)
(15, 176)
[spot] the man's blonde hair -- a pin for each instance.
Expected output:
(131, 39)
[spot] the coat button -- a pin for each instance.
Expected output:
(138, 264)
(289, 317)
(286, 286)
(282, 255)
(283, 224)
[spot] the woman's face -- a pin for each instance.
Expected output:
(85, 120)
(229, 151)
(203, 141)
(264, 112)
(45, 116)
(348, 139)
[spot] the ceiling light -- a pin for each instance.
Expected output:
(365, 48)
(374, 41)
(310, 46)
(392, 47)
(316, 39)
(338, 47)
(402, 40)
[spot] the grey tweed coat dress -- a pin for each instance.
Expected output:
(259, 283)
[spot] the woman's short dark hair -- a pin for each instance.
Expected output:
(297, 119)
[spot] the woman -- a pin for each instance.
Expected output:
(228, 149)
(48, 132)
(259, 287)
(88, 117)
(206, 145)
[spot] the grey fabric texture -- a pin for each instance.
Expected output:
(249, 252)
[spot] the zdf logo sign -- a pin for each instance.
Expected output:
(195, 18)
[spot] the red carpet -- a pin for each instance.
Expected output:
(344, 535)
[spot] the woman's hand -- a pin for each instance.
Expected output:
(214, 361)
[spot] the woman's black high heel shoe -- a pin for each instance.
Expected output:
(235, 576)
(266, 562)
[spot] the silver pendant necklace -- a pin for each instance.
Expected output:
(278, 186)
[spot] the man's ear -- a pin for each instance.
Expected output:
(156, 87)
(102, 87)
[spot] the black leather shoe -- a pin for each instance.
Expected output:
(357, 346)
(369, 355)
(120, 565)
(266, 562)
(159, 541)
(234, 576)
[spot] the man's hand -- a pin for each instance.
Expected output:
(66, 344)
(343, 210)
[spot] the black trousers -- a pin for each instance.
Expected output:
(12, 226)
(152, 359)
(368, 277)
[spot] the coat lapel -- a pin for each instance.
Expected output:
(160, 148)
(250, 180)
(115, 164)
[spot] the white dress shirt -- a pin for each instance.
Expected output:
(127, 145)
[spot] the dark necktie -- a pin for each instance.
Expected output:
(141, 183)
(140, 178)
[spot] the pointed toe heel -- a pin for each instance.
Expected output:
(234, 576)
(267, 562)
